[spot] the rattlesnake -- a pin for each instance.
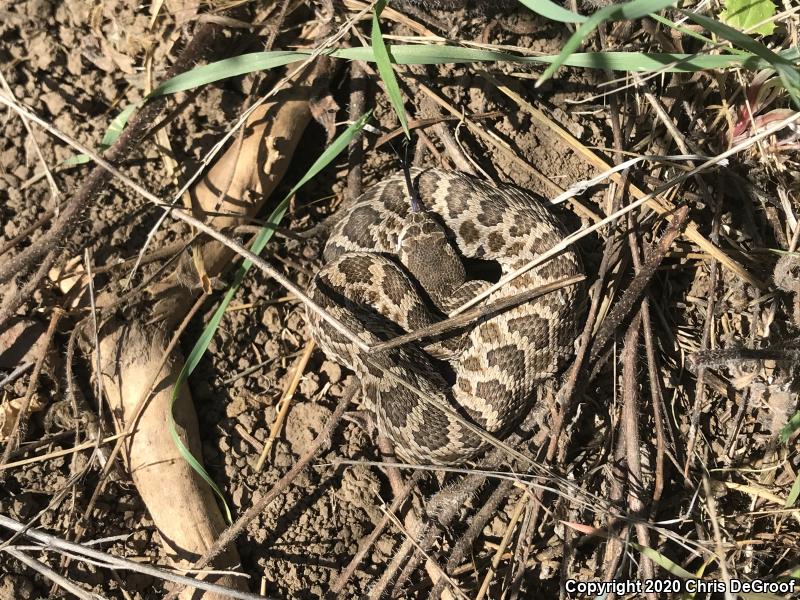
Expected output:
(390, 269)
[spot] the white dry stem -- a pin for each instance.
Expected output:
(439, 572)
(110, 561)
(584, 185)
(50, 574)
(56, 195)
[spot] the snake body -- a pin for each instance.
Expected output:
(390, 269)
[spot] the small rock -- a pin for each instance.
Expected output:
(271, 319)
(332, 370)
(309, 385)
(54, 102)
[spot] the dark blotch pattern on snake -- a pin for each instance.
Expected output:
(389, 271)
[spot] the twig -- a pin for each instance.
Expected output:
(571, 492)
(15, 435)
(167, 251)
(15, 374)
(95, 339)
(494, 140)
(46, 216)
(614, 550)
(365, 545)
(519, 561)
(378, 590)
(114, 562)
(47, 572)
(445, 504)
(424, 552)
(56, 195)
(476, 526)
(355, 152)
(512, 524)
(416, 529)
(285, 402)
(711, 506)
(60, 453)
(657, 404)
(475, 313)
(630, 425)
(637, 286)
(705, 341)
(457, 155)
(14, 299)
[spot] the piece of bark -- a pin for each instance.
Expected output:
(238, 184)
(180, 503)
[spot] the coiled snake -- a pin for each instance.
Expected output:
(390, 270)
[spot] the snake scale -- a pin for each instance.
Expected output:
(390, 269)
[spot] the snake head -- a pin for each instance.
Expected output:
(425, 250)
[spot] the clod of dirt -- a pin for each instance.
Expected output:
(20, 341)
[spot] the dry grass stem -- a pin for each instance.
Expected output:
(110, 561)
(286, 401)
(501, 548)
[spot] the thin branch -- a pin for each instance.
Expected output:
(50, 574)
(110, 561)
(474, 314)
(634, 291)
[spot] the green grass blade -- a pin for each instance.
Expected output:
(216, 71)
(735, 36)
(618, 61)
(787, 71)
(684, 30)
(551, 10)
(384, 63)
(634, 9)
(791, 427)
(223, 69)
(112, 133)
(201, 345)
(118, 124)
(677, 570)
(793, 493)
(662, 561)
(434, 54)
(79, 159)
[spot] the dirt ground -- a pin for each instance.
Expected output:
(76, 64)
